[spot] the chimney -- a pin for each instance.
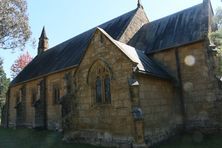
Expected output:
(43, 42)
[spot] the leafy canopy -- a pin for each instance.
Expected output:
(14, 27)
(4, 83)
(216, 39)
(216, 36)
(20, 64)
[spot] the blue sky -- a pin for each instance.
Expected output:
(64, 19)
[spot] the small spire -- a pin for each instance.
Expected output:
(43, 34)
(43, 42)
(139, 5)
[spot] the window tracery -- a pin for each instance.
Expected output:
(101, 83)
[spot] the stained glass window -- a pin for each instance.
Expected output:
(101, 84)
(107, 90)
(98, 90)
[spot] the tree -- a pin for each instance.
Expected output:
(20, 64)
(216, 39)
(216, 36)
(14, 27)
(4, 83)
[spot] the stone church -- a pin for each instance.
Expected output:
(127, 81)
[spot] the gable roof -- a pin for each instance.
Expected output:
(69, 53)
(145, 64)
(187, 26)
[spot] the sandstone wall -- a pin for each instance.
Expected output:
(54, 118)
(193, 64)
(108, 121)
(29, 103)
(53, 111)
(12, 103)
(160, 106)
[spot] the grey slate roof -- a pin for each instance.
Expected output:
(69, 53)
(145, 64)
(181, 28)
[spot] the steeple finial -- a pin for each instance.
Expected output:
(43, 42)
(139, 5)
(43, 34)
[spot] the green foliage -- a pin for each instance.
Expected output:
(27, 138)
(15, 30)
(4, 83)
(194, 141)
(218, 17)
(216, 38)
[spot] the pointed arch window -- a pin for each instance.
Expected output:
(34, 97)
(98, 90)
(56, 94)
(100, 80)
(107, 89)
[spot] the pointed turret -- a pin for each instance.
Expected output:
(43, 42)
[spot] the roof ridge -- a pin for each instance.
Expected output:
(72, 48)
(166, 32)
(127, 24)
(98, 26)
(181, 11)
(142, 63)
(139, 50)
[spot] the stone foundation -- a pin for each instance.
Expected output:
(99, 138)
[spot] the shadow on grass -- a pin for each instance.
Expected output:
(195, 140)
(28, 138)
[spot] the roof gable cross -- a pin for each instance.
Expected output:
(139, 4)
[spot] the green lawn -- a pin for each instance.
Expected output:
(196, 140)
(27, 138)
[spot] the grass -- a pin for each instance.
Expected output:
(27, 138)
(196, 140)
